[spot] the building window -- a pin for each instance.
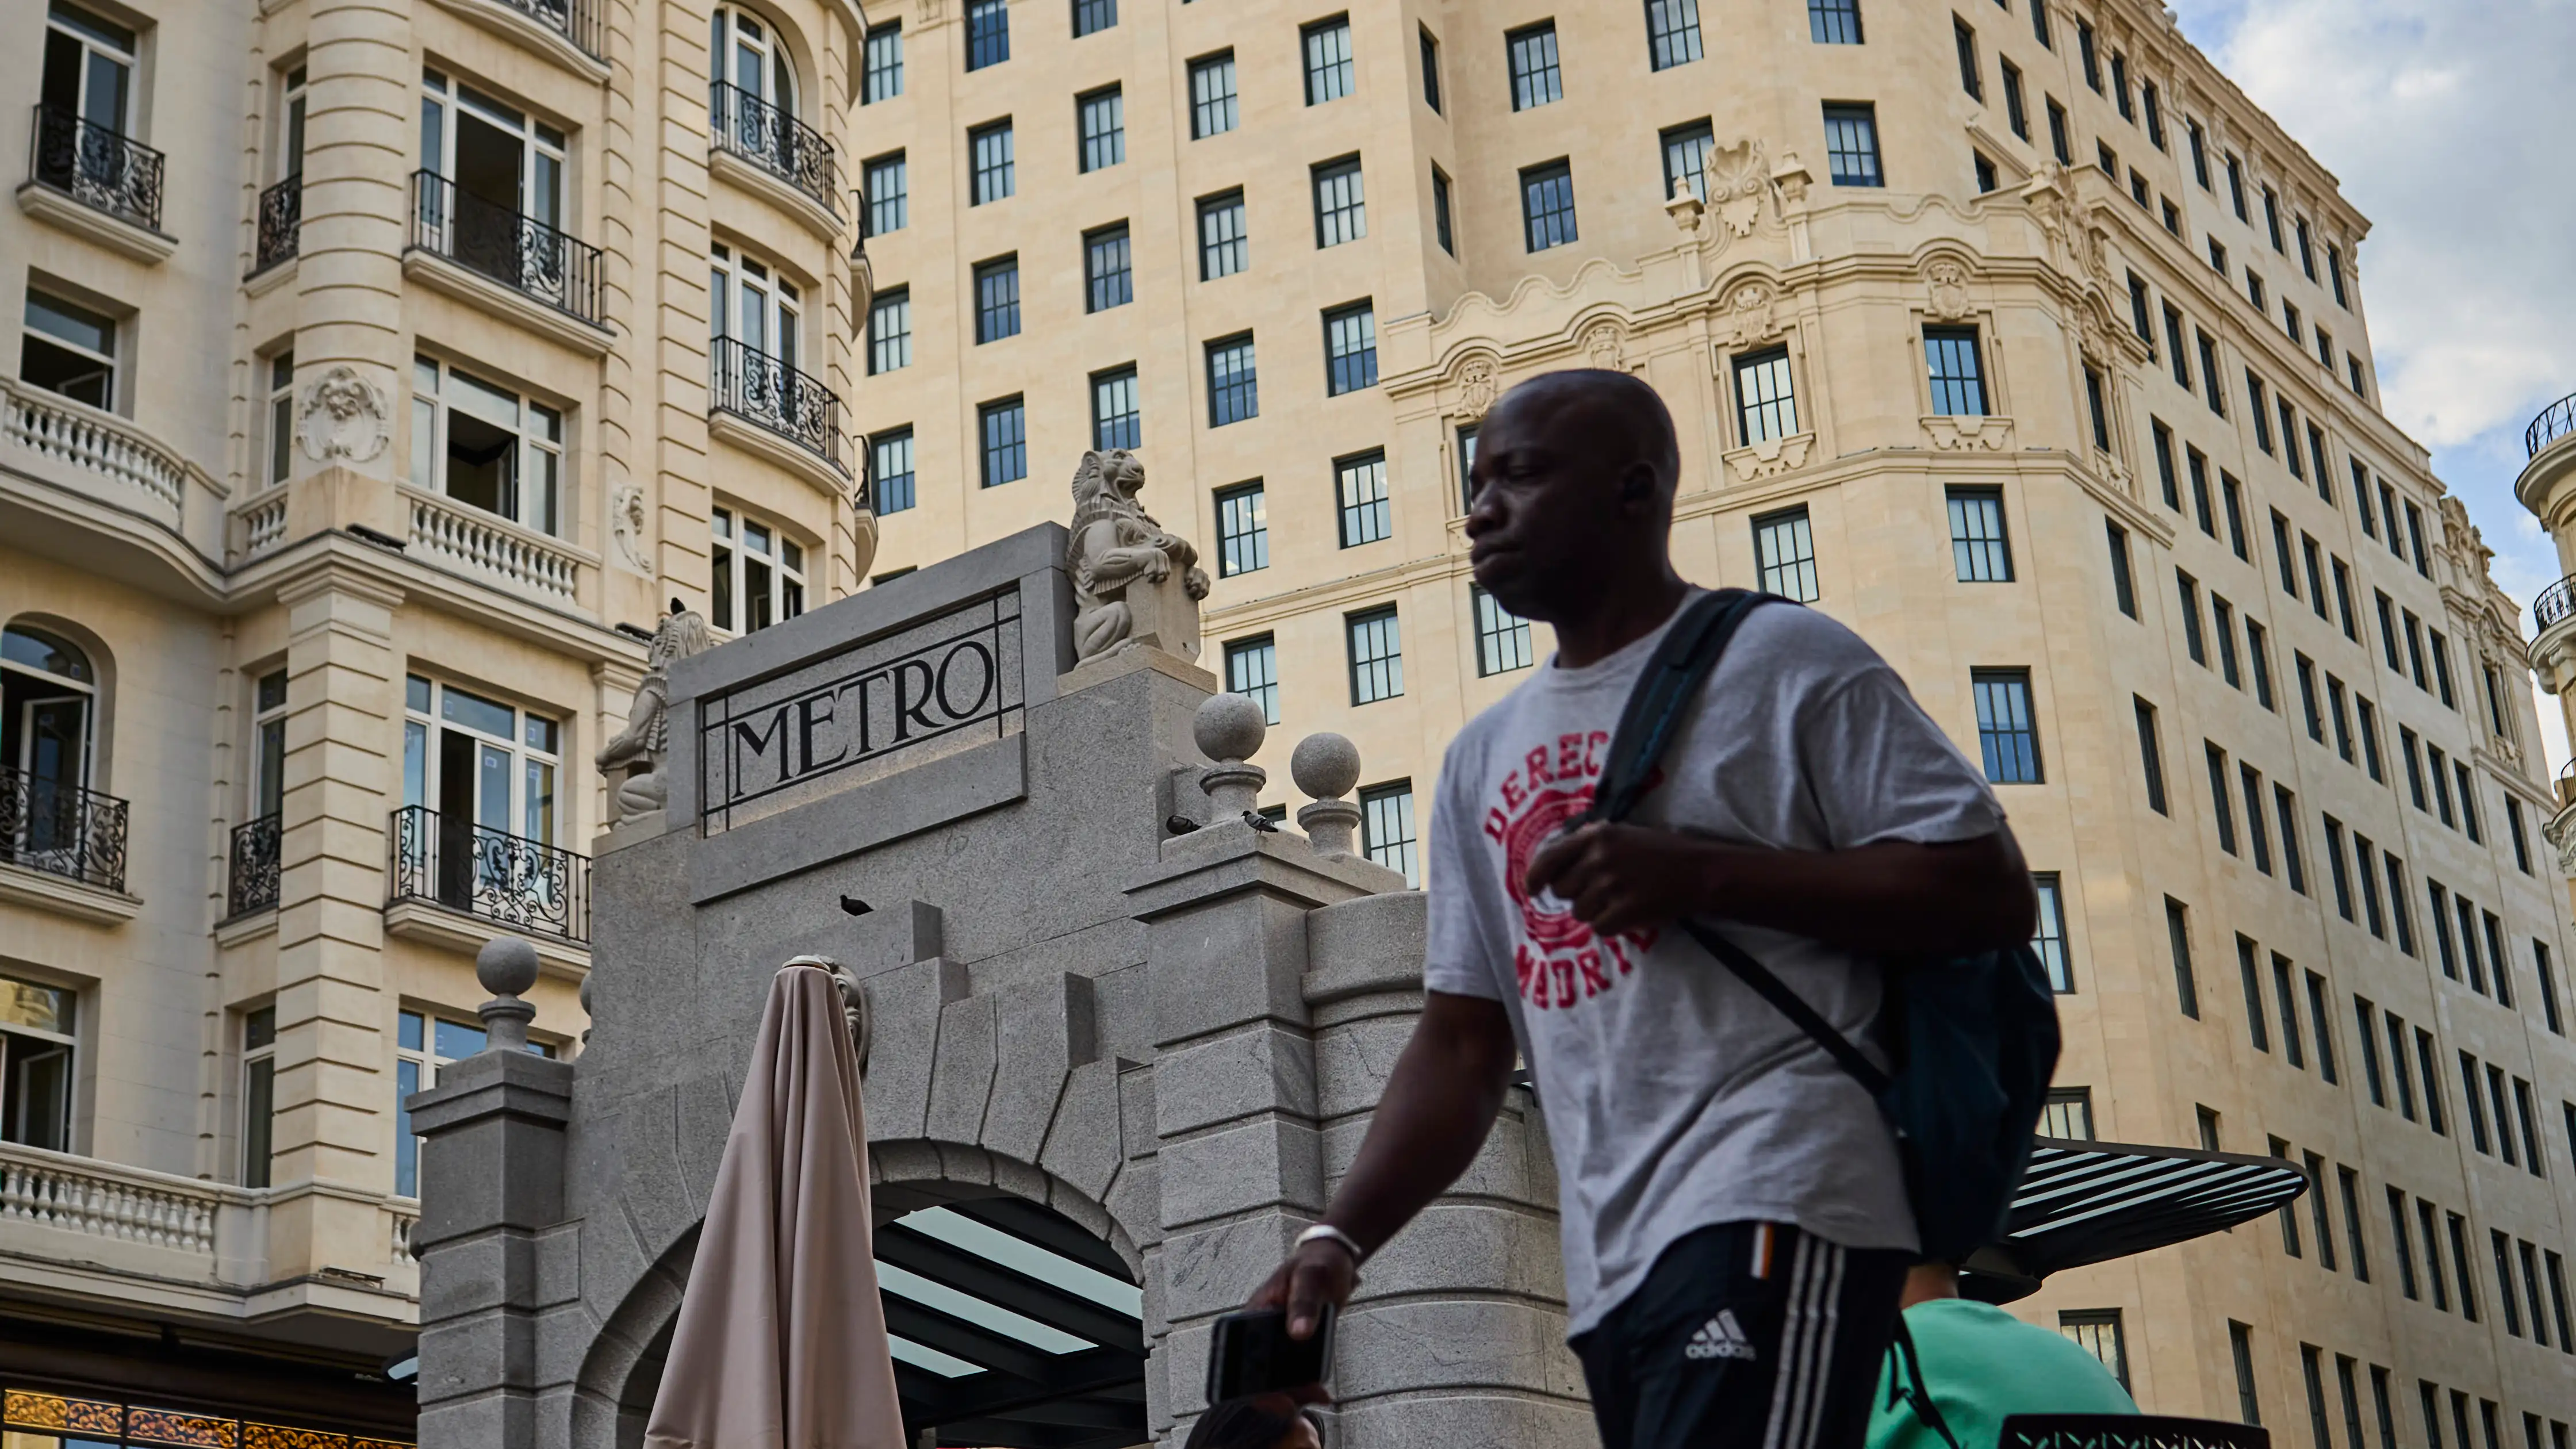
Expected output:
(1672, 33)
(2098, 1332)
(1004, 427)
(1377, 656)
(1329, 75)
(1972, 78)
(2016, 101)
(1242, 530)
(2155, 114)
(486, 446)
(2006, 733)
(889, 196)
(997, 299)
(988, 33)
(1092, 16)
(1502, 637)
(1341, 210)
(38, 1030)
(890, 331)
(2151, 756)
(281, 415)
(1987, 178)
(1107, 270)
(1233, 390)
(258, 1093)
(1386, 828)
(1212, 101)
(1367, 514)
(2061, 141)
(2209, 375)
(1440, 211)
(1117, 416)
(1532, 53)
(995, 176)
(1225, 248)
(2068, 1114)
(1686, 151)
(1430, 71)
(2049, 942)
(69, 350)
(2187, 990)
(488, 771)
(1467, 468)
(1103, 116)
(758, 573)
(1350, 349)
(2124, 589)
(1547, 205)
(1977, 541)
(268, 746)
(882, 79)
(2085, 48)
(1957, 376)
(890, 470)
(1252, 670)
(1784, 549)
(1834, 22)
(1851, 145)
(1766, 403)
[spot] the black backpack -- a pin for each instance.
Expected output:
(1973, 1038)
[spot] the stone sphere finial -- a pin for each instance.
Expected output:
(507, 967)
(1229, 727)
(1325, 765)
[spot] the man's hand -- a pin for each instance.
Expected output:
(1315, 1275)
(1623, 877)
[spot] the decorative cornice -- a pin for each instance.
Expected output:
(44, 203)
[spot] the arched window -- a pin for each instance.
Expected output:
(754, 305)
(750, 56)
(48, 707)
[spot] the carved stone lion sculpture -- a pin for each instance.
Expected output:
(644, 746)
(1116, 545)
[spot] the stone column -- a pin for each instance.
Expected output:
(363, 124)
(493, 1161)
(334, 1102)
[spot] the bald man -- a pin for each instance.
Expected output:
(1734, 1222)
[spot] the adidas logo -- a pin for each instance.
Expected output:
(1720, 1337)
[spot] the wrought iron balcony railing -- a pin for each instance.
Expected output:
(2555, 421)
(574, 20)
(759, 388)
(251, 883)
(479, 871)
(96, 166)
(281, 223)
(62, 829)
(2555, 603)
(517, 251)
(776, 142)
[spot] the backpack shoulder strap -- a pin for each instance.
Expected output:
(1682, 662)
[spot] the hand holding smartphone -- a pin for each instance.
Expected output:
(1253, 1354)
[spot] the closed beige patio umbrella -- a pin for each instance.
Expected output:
(781, 1340)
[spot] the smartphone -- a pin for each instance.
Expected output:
(1253, 1354)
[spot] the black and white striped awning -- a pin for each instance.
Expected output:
(2085, 1202)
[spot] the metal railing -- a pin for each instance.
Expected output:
(574, 20)
(96, 166)
(281, 223)
(62, 829)
(776, 142)
(515, 250)
(2555, 421)
(2555, 603)
(250, 884)
(759, 388)
(487, 873)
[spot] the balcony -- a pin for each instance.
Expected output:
(62, 830)
(111, 182)
(489, 242)
(487, 874)
(571, 26)
(250, 882)
(780, 151)
(492, 548)
(281, 223)
(2555, 421)
(757, 399)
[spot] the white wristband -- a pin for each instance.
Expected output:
(1327, 1233)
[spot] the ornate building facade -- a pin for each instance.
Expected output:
(2010, 333)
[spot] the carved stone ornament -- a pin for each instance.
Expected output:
(2045, 192)
(626, 525)
(927, 11)
(1954, 434)
(343, 417)
(1603, 347)
(1792, 178)
(1479, 383)
(1122, 561)
(1749, 317)
(644, 746)
(1739, 177)
(1771, 457)
(1945, 282)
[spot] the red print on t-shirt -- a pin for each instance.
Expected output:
(1558, 959)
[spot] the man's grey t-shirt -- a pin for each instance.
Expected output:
(1675, 1097)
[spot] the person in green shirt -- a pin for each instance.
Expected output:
(1980, 1365)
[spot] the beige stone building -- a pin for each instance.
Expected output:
(366, 417)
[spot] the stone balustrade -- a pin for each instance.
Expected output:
(492, 547)
(260, 526)
(104, 1200)
(138, 472)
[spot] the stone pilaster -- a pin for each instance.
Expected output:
(362, 126)
(677, 390)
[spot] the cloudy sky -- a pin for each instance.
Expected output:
(2451, 126)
